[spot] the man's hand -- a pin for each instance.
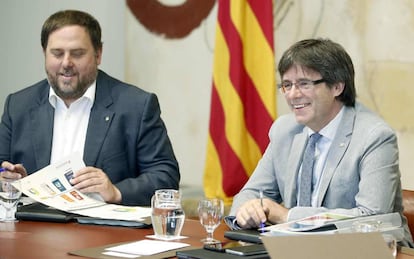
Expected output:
(13, 171)
(90, 179)
(251, 214)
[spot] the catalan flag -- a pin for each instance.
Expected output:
(243, 99)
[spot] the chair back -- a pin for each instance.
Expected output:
(408, 203)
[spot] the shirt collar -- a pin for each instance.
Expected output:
(89, 94)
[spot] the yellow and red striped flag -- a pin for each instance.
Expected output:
(243, 100)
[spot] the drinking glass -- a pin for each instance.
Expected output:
(391, 242)
(366, 226)
(9, 197)
(210, 212)
(167, 214)
(375, 226)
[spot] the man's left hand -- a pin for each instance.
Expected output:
(90, 179)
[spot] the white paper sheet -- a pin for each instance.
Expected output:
(169, 238)
(116, 254)
(146, 247)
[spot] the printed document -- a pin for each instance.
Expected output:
(51, 186)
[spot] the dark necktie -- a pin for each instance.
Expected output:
(305, 189)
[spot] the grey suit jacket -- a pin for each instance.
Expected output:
(126, 137)
(361, 176)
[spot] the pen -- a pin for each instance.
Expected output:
(2, 169)
(262, 224)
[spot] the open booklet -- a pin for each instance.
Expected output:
(51, 186)
(321, 221)
(331, 223)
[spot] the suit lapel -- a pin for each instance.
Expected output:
(337, 151)
(99, 121)
(41, 119)
(294, 160)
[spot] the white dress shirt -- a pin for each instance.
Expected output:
(70, 124)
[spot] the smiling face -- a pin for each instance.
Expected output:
(71, 62)
(316, 106)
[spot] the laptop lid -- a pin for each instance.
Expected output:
(328, 246)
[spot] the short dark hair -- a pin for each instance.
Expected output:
(326, 57)
(72, 17)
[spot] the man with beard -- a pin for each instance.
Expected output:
(115, 127)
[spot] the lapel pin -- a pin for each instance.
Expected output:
(107, 118)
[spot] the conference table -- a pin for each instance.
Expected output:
(31, 239)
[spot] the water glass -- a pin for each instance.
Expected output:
(210, 212)
(10, 194)
(375, 226)
(366, 226)
(167, 215)
(391, 242)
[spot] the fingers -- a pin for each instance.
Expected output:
(12, 171)
(251, 214)
(94, 180)
(90, 179)
(20, 169)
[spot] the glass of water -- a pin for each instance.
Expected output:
(210, 212)
(391, 242)
(9, 197)
(167, 215)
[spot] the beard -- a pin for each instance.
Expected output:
(75, 87)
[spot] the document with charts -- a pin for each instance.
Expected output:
(315, 222)
(51, 186)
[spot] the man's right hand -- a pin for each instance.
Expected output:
(13, 171)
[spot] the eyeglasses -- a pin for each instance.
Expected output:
(303, 84)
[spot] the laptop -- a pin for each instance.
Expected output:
(328, 246)
(40, 212)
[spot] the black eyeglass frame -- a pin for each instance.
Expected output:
(304, 86)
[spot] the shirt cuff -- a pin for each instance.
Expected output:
(231, 222)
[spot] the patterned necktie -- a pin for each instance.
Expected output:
(305, 189)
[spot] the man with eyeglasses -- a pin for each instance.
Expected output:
(353, 159)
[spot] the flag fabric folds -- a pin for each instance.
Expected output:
(243, 99)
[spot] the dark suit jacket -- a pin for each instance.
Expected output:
(126, 137)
